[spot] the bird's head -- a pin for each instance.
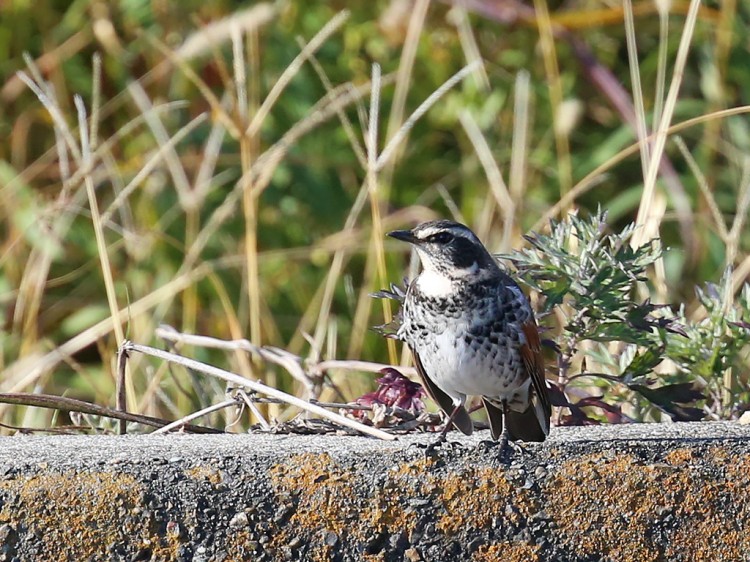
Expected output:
(448, 248)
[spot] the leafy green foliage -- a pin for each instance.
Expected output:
(716, 346)
(595, 274)
(592, 278)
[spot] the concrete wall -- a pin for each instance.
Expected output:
(625, 493)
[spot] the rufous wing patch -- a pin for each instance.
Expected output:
(533, 361)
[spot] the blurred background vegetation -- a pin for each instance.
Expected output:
(259, 220)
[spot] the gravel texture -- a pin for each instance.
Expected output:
(628, 492)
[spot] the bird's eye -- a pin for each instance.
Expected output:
(442, 238)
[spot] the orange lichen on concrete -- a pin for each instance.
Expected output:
(715, 515)
(240, 546)
(324, 499)
(319, 496)
(473, 498)
(322, 491)
(204, 472)
(623, 508)
(507, 552)
(679, 457)
(606, 506)
(76, 515)
(385, 511)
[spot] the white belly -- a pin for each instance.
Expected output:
(460, 371)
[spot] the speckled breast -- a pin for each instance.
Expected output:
(469, 344)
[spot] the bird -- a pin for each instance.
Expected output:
(472, 332)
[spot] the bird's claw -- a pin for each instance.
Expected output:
(487, 445)
(517, 448)
(431, 449)
(504, 447)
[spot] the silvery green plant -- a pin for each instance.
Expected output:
(714, 351)
(592, 278)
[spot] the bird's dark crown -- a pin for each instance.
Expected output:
(447, 247)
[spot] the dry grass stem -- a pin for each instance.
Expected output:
(217, 111)
(593, 177)
(63, 403)
(377, 250)
(740, 217)
(554, 85)
(179, 424)
(293, 68)
(288, 361)
(635, 77)
(730, 236)
(166, 144)
(218, 32)
(400, 135)
(264, 166)
(13, 86)
(46, 95)
(25, 372)
(327, 107)
(327, 365)
(101, 243)
(497, 185)
(718, 218)
(403, 79)
(99, 152)
(345, 121)
(458, 17)
(150, 165)
(211, 152)
(257, 387)
(245, 397)
(334, 272)
(661, 68)
(662, 129)
(520, 143)
(304, 371)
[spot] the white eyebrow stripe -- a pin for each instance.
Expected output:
(426, 233)
(456, 231)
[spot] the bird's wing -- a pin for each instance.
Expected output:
(495, 417)
(533, 362)
(398, 294)
(461, 420)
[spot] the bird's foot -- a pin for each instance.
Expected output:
(486, 445)
(509, 449)
(504, 447)
(431, 449)
(518, 447)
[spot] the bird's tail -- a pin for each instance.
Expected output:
(526, 425)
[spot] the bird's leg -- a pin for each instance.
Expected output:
(449, 423)
(504, 443)
(442, 438)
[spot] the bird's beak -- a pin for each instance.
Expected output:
(404, 236)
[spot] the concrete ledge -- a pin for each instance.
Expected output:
(638, 492)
